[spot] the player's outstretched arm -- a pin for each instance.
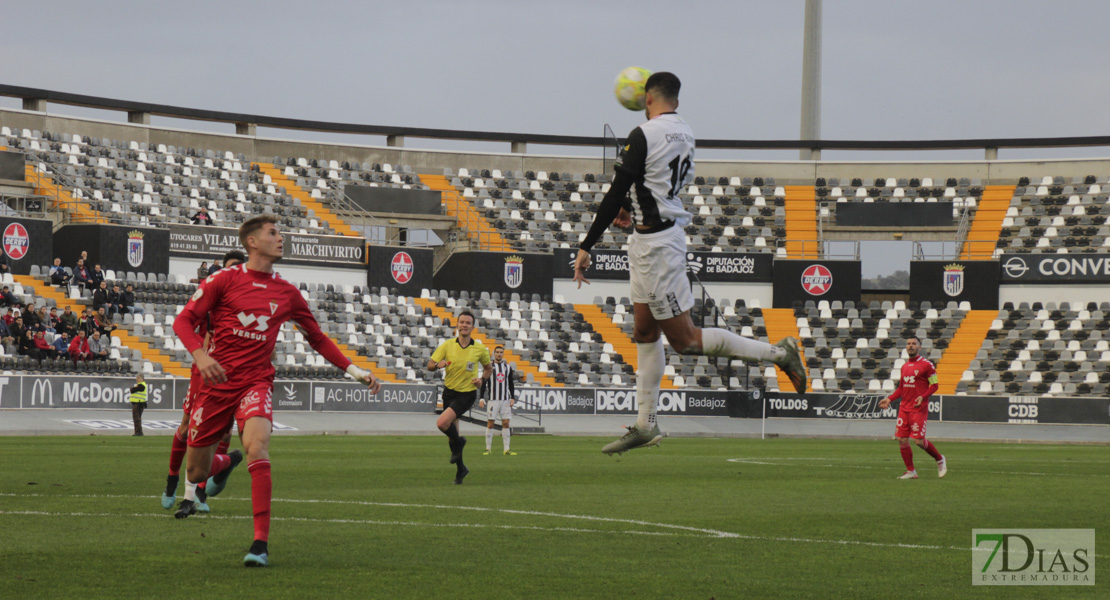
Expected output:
(185, 327)
(365, 377)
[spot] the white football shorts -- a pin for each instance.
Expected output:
(498, 410)
(657, 272)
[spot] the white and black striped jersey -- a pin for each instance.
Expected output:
(659, 158)
(500, 384)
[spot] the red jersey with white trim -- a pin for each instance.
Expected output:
(919, 378)
(201, 330)
(247, 309)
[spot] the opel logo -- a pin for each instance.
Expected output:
(1015, 267)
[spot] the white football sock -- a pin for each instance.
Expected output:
(489, 438)
(505, 437)
(190, 490)
(721, 342)
(649, 377)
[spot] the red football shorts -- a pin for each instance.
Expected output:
(911, 424)
(195, 383)
(213, 411)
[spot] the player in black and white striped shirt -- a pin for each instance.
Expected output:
(653, 167)
(502, 397)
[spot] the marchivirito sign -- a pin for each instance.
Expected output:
(1033, 557)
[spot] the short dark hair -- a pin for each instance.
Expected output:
(465, 313)
(253, 224)
(664, 84)
(235, 255)
(913, 337)
(498, 348)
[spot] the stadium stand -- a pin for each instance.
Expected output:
(1058, 215)
(135, 183)
(1044, 349)
(1028, 349)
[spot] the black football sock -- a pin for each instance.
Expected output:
(259, 547)
(202, 495)
(171, 484)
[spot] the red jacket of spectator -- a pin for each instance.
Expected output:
(79, 345)
(41, 343)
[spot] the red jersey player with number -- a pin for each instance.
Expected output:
(248, 305)
(917, 384)
(179, 445)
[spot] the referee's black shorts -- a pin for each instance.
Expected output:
(460, 402)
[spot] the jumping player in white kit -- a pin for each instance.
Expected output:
(656, 162)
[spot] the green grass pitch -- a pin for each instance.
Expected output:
(379, 517)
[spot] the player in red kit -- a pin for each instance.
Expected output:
(179, 445)
(917, 383)
(248, 305)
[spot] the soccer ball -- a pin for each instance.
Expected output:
(629, 87)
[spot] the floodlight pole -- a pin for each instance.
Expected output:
(811, 80)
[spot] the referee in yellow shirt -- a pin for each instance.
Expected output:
(460, 357)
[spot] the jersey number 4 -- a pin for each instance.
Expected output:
(680, 168)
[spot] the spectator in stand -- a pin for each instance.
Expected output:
(81, 274)
(5, 333)
(10, 316)
(30, 319)
(88, 322)
(215, 267)
(202, 272)
(84, 256)
(104, 323)
(58, 274)
(100, 295)
(202, 217)
(43, 347)
(127, 301)
(4, 262)
(114, 298)
(98, 346)
(61, 345)
(7, 298)
(54, 321)
(79, 348)
(18, 329)
(43, 321)
(96, 276)
(70, 322)
(26, 345)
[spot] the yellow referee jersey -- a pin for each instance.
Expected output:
(466, 363)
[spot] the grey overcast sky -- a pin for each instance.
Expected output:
(891, 69)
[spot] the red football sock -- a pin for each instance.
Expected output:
(220, 463)
(932, 450)
(261, 488)
(907, 456)
(224, 445)
(177, 453)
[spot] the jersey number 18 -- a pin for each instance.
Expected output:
(680, 168)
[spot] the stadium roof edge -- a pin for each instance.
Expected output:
(165, 110)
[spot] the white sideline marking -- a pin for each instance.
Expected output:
(352, 522)
(850, 466)
(681, 530)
